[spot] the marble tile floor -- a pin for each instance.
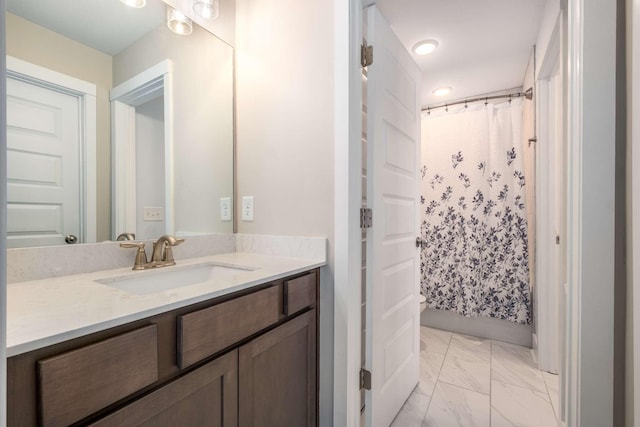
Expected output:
(473, 382)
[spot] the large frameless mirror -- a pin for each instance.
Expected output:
(116, 124)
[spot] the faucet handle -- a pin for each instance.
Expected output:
(168, 252)
(141, 254)
(129, 244)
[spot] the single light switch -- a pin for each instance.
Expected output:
(225, 209)
(247, 208)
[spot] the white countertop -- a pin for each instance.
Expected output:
(49, 311)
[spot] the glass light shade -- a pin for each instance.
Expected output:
(207, 9)
(178, 22)
(425, 47)
(442, 91)
(135, 3)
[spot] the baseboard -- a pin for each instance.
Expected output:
(482, 327)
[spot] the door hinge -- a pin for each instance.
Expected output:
(366, 218)
(366, 55)
(365, 379)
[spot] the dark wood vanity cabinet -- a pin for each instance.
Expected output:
(246, 359)
(77, 383)
(206, 396)
(278, 376)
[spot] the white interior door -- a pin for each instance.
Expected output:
(43, 172)
(393, 131)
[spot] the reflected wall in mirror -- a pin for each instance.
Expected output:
(70, 58)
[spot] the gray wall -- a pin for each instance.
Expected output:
(285, 140)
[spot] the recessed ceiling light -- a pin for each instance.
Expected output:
(135, 3)
(442, 91)
(425, 47)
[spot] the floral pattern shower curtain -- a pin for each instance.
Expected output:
(473, 213)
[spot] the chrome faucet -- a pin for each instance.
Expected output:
(162, 255)
(162, 252)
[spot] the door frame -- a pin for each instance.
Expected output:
(549, 257)
(153, 82)
(85, 92)
(3, 220)
(348, 34)
(591, 22)
(591, 146)
(633, 118)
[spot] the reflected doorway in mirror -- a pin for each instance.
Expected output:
(142, 133)
(51, 146)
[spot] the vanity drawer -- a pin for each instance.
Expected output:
(76, 384)
(205, 332)
(299, 293)
(207, 396)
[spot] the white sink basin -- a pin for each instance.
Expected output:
(167, 278)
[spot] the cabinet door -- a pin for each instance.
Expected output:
(207, 396)
(277, 371)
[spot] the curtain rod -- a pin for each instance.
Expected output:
(527, 94)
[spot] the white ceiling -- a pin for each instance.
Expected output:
(484, 44)
(106, 25)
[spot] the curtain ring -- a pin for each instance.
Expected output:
(465, 105)
(486, 102)
(446, 107)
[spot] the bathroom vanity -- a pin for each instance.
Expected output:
(239, 355)
(226, 337)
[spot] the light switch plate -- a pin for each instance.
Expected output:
(154, 213)
(225, 209)
(247, 208)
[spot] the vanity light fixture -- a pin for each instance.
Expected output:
(442, 91)
(135, 3)
(425, 47)
(207, 9)
(178, 22)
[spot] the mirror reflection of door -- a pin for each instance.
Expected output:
(44, 173)
(142, 123)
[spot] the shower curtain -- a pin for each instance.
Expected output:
(473, 212)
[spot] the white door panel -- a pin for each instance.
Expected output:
(43, 157)
(393, 120)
